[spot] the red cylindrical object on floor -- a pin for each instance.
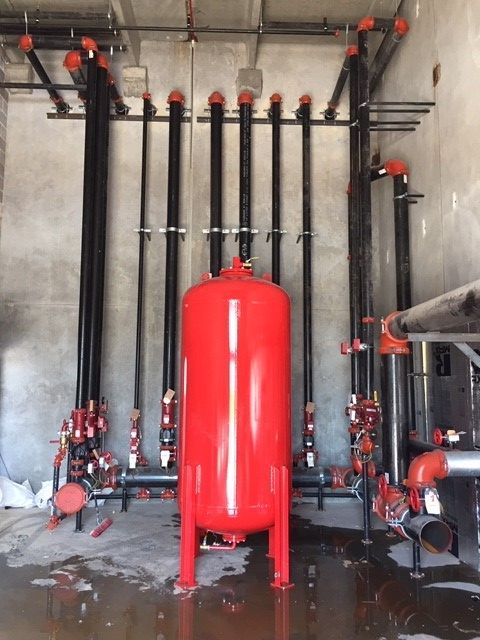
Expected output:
(235, 402)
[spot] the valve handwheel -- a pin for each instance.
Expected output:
(414, 499)
(437, 437)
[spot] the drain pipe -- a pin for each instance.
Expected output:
(276, 232)
(168, 449)
(245, 103)
(386, 50)
(135, 455)
(26, 45)
(216, 102)
(330, 112)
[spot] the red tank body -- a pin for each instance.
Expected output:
(235, 429)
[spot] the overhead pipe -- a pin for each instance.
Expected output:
(26, 45)
(172, 231)
(64, 42)
(365, 198)
(216, 102)
(452, 309)
(276, 231)
(386, 50)
(330, 111)
(245, 103)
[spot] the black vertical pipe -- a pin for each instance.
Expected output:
(216, 102)
(147, 112)
(353, 222)
(99, 235)
(175, 101)
(275, 112)
(245, 102)
(89, 171)
(26, 45)
(402, 241)
(395, 416)
(365, 216)
(304, 113)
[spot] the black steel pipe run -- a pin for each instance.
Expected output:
(355, 301)
(330, 111)
(26, 45)
(216, 102)
(365, 199)
(451, 309)
(245, 103)
(276, 232)
(148, 111)
(176, 102)
(385, 52)
(395, 416)
(303, 113)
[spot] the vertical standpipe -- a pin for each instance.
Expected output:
(353, 221)
(216, 102)
(275, 112)
(245, 103)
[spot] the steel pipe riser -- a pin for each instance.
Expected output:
(275, 114)
(245, 235)
(216, 187)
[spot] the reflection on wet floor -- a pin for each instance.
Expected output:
(342, 591)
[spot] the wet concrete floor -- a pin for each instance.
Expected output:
(342, 590)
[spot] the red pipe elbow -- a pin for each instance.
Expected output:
(89, 44)
(73, 61)
(427, 467)
(388, 344)
(396, 168)
(401, 27)
(102, 62)
(352, 51)
(366, 24)
(25, 43)
(245, 98)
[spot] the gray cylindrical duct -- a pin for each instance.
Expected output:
(463, 464)
(432, 534)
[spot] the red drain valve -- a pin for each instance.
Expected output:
(70, 498)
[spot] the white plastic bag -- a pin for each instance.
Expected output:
(17, 495)
(45, 493)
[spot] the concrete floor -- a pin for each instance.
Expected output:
(121, 585)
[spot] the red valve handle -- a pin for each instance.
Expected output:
(414, 499)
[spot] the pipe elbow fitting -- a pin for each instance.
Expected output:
(366, 24)
(396, 167)
(103, 62)
(25, 43)
(216, 98)
(426, 468)
(88, 44)
(389, 345)
(401, 27)
(305, 99)
(176, 96)
(245, 97)
(275, 97)
(352, 51)
(73, 61)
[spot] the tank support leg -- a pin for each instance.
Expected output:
(271, 543)
(188, 533)
(282, 542)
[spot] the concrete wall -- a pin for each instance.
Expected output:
(41, 243)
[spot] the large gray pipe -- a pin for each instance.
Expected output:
(463, 464)
(432, 534)
(452, 309)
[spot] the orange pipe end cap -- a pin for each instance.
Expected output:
(89, 44)
(275, 97)
(73, 61)
(216, 98)
(147, 96)
(71, 498)
(396, 167)
(246, 97)
(305, 99)
(390, 345)
(176, 96)
(366, 24)
(103, 62)
(352, 50)
(25, 43)
(401, 26)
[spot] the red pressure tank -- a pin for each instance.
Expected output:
(235, 428)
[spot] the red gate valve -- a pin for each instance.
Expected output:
(356, 347)
(79, 425)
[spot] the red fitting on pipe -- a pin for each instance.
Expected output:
(176, 96)
(349, 189)
(246, 97)
(147, 96)
(25, 43)
(424, 469)
(305, 99)
(103, 62)
(275, 97)
(73, 61)
(366, 24)
(352, 50)
(401, 27)
(216, 98)
(89, 44)
(396, 167)
(390, 345)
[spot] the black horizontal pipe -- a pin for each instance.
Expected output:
(43, 86)
(147, 477)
